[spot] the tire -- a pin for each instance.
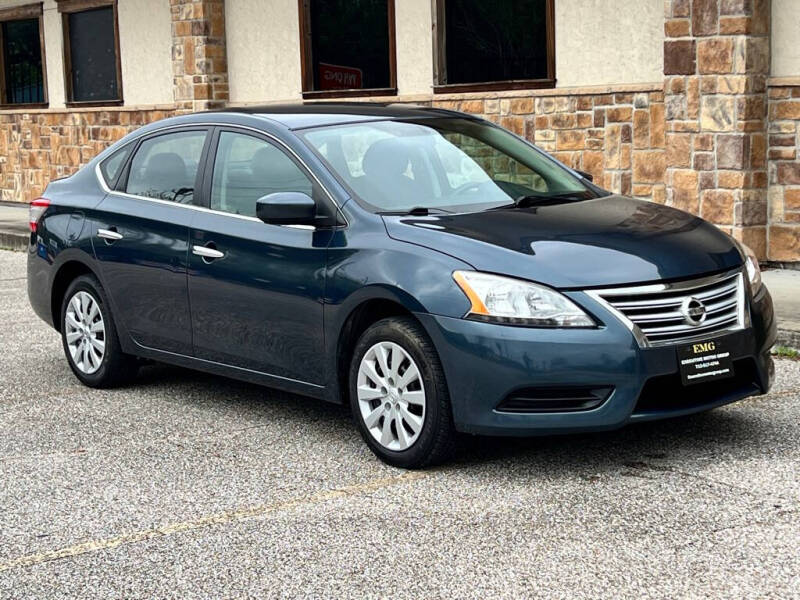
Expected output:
(86, 321)
(382, 396)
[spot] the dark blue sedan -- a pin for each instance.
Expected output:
(433, 270)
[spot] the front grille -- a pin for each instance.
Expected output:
(657, 314)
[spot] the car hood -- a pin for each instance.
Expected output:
(606, 241)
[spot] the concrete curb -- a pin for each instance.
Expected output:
(788, 338)
(14, 241)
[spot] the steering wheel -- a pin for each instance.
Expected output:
(466, 187)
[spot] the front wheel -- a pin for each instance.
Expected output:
(89, 336)
(399, 396)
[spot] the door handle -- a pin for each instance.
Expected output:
(207, 253)
(110, 235)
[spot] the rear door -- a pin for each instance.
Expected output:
(256, 299)
(142, 237)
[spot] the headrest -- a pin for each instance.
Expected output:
(386, 157)
(166, 164)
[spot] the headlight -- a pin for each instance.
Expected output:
(514, 302)
(752, 268)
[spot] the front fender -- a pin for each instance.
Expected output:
(416, 278)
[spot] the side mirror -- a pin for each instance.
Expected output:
(585, 175)
(287, 208)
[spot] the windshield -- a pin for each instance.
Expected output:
(447, 164)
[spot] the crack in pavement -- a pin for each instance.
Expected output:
(220, 518)
(644, 466)
(764, 522)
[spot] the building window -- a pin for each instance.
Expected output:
(347, 47)
(506, 44)
(91, 52)
(22, 77)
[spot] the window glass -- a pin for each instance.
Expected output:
(165, 167)
(93, 55)
(466, 160)
(449, 164)
(495, 41)
(342, 55)
(22, 56)
(112, 166)
(247, 168)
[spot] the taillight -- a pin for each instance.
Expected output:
(37, 209)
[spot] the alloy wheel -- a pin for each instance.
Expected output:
(85, 332)
(391, 396)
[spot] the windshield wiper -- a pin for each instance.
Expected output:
(529, 200)
(417, 211)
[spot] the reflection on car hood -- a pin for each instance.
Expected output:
(605, 241)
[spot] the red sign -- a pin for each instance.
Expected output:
(337, 77)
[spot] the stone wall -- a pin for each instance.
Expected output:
(716, 65)
(784, 173)
(36, 147)
(199, 55)
(617, 137)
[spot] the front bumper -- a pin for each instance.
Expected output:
(485, 363)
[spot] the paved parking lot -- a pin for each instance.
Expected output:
(187, 485)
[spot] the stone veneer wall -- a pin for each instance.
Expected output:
(617, 137)
(716, 65)
(784, 173)
(36, 147)
(199, 54)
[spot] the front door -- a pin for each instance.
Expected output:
(142, 239)
(256, 290)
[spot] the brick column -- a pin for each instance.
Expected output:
(199, 59)
(716, 64)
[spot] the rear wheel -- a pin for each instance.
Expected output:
(89, 336)
(398, 395)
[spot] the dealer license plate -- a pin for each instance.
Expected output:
(705, 361)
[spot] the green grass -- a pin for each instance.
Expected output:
(786, 352)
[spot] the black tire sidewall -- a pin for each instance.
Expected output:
(410, 336)
(112, 353)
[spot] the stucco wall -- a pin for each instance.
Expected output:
(605, 42)
(54, 54)
(263, 40)
(414, 47)
(145, 38)
(785, 31)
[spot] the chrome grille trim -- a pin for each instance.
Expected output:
(652, 312)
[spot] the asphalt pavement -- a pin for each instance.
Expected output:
(193, 486)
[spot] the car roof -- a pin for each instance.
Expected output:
(317, 114)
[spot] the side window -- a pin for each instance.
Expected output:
(165, 167)
(112, 166)
(247, 168)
